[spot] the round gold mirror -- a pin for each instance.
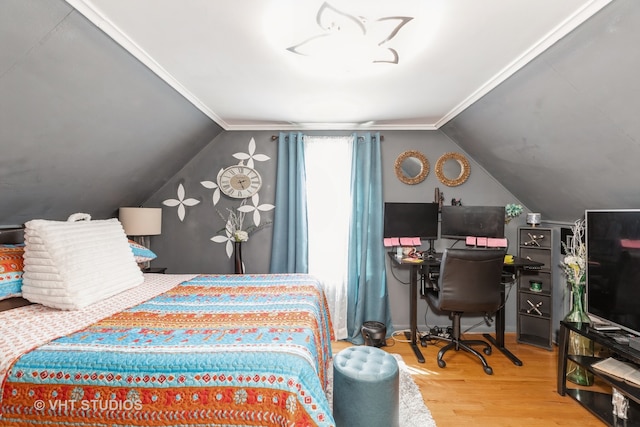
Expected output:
(412, 167)
(452, 169)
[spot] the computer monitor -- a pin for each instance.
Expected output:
(458, 222)
(411, 220)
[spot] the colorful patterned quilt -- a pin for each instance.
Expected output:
(235, 350)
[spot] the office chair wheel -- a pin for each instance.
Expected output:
(487, 351)
(488, 370)
(442, 363)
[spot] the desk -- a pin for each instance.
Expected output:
(413, 297)
(415, 267)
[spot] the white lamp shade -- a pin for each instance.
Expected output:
(141, 221)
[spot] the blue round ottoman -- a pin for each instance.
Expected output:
(366, 385)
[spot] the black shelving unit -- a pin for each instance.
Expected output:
(598, 402)
(536, 314)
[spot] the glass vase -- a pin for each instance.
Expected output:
(578, 345)
(237, 258)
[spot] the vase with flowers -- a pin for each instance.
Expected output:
(574, 267)
(239, 236)
(235, 234)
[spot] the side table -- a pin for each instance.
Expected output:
(157, 270)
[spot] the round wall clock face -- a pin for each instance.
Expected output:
(239, 181)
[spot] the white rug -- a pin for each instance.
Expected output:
(413, 412)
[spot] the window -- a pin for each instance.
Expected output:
(328, 174)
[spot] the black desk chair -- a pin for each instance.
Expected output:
(469, 282)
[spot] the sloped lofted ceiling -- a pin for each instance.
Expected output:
(262, 64)
(561, 133)
(84, 127)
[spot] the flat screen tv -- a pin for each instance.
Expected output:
(612, 239)
(411, 220)
(458, 222)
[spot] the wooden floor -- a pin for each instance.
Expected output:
(461, 394)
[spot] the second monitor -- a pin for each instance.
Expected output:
(458, 222)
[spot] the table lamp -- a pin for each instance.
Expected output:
(533, 219)
(140, 223)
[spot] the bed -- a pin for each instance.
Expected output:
(188, 350)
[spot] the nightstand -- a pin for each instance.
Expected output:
(158, 270)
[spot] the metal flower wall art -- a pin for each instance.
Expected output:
(344, 34)
(234, 227)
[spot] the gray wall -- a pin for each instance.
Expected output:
(186, 246)
(480, 189)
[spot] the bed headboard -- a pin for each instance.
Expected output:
(12, 235)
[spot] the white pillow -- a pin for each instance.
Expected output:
(72, 264)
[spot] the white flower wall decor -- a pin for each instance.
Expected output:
(235, 230)
(251, 156)
(256, 208)
(227, 239)
(234, 227)
(181, 202)
(213, 186)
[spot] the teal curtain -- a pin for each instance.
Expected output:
(367, 295)
(368, 298)
(289, 250)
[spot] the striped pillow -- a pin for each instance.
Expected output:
(11, 268)
(141, 253)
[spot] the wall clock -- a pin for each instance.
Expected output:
(239, 181)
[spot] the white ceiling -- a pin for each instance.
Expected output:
(230, 58)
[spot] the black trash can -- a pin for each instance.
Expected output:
(374, 333)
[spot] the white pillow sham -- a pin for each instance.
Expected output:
(72, 264)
